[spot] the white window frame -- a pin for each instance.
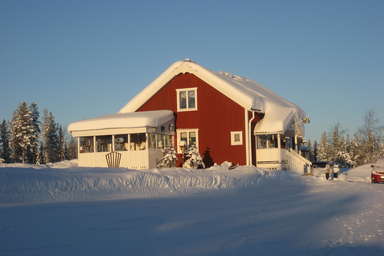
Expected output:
(179, 131)
(178, 99)
(233, 134)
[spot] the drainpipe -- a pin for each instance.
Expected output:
(249, 137)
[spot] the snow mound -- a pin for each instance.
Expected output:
(27, 185)
(360, 174)
(363, 173)
(60, 165)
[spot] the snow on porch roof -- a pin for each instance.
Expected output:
(124, 120)
(279, 112)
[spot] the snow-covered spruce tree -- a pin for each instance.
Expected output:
(336, 142)
(315, 151)
(71, 148)
(368, 140)
(193, 158)
(61, 143)
(41, 156)
(35, 143)
(340, 152)
(50, 138)
(323, 148)
(345, 156)
(22, 133)
(5, 149)
(168, 160)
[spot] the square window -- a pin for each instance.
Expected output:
(236, 138)
(186, 99)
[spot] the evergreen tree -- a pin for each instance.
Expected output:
(315, 151)
(168, 159)
(22, 132)
(323, 149)
(61, 143)
(5, 152)
(50, 138)
(71, 148)
(337, 142)
(34, 146)
(193, 158)
(368, 141)
(42, 153)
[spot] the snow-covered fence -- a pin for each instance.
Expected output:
(295, 162)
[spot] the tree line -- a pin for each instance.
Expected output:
(26, 139)
(366, 145)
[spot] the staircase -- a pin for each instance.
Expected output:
(295, 162)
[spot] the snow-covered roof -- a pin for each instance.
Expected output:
(279, 112)
(124, 120)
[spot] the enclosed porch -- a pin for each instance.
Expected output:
(139, 138)
(279, 151)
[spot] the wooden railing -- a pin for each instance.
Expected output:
(295, 162)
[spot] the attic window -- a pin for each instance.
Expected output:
(186, 99)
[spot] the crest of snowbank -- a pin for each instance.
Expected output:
(59, 165)
(360, 173)
(28, 185)
(363, 173)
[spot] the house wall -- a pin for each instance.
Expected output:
(216, 116)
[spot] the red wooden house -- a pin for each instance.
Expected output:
(228, 118)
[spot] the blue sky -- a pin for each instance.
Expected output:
(82, 59)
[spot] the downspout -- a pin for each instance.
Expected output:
(250, 137)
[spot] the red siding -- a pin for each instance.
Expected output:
(216, 117)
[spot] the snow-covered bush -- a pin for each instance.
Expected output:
(193, 158)
(168, 159)
(344, 158)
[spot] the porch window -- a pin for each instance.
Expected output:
(86, 144)
(160, 141)
(121, 142)
(267, 141)
(152, 140)
(186, 99)
(168, 141)
(186, 138)
(137, 141)
(104, 143)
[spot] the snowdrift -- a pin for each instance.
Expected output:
(363, 173)
(42, 184)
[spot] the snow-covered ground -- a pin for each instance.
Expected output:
(244, 211)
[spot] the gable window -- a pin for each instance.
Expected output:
(187, 138)
(186, 99)
(236, 138)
